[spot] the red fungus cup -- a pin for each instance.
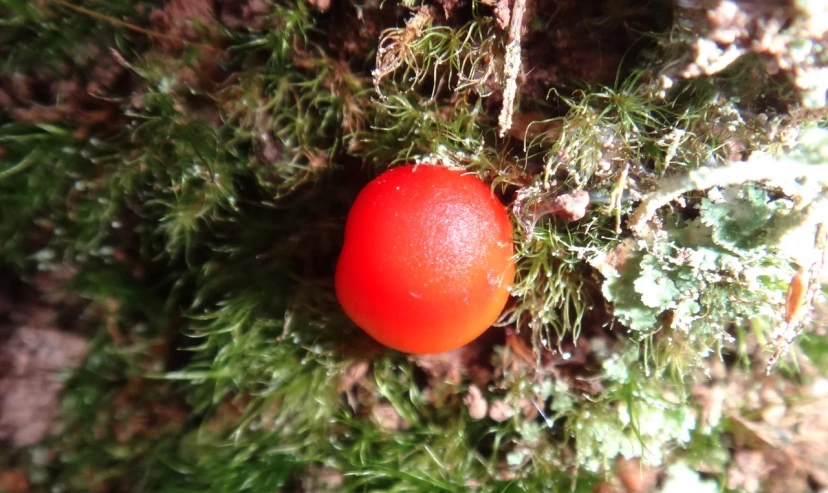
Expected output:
(427, 264)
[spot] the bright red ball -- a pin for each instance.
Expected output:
(427, 262)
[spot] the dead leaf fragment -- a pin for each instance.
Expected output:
(530, 125)
(352, 375)
(747, 471)
(503, 15)
(500, 411)
(635, 476)
(322, 5)
(476, 403)
(794, 301)
(388, 418)
(568, 206)
(14, 481)
(322, 478)
(349, 382)
(449, 367)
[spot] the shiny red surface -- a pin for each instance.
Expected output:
(427, 262)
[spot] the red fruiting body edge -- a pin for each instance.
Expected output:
(427, 264)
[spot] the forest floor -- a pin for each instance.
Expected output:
(174, 182)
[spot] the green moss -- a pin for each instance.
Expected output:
(45, 36)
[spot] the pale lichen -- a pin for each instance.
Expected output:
(789, 40)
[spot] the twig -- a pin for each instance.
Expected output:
(118, 22)
(617, 195)
(765, 168)
(511, 67)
